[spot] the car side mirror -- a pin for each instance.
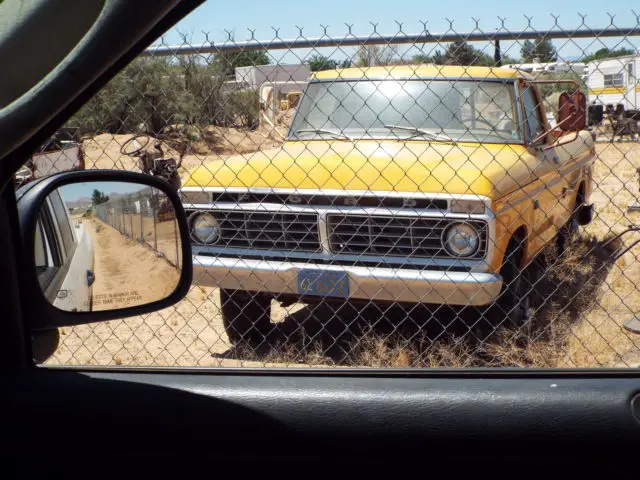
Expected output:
(572, 111)
(101, 245)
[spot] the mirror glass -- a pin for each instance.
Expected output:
(106, 246)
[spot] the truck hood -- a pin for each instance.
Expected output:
(482, 169)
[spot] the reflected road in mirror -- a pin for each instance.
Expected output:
(107, 245)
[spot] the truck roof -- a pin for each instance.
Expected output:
(421, 71)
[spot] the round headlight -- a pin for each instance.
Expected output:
(461, 240)
(205, 228)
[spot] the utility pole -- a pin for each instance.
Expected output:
(497, 55)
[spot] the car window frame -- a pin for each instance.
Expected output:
(52, 279)
(524, 89)
(43, 245)
(357, 413)
(61, 217)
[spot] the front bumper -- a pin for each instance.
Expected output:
(366, 283)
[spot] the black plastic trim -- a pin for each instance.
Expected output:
(285, 415)
(122, 31)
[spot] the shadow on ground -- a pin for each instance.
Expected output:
(379, 335)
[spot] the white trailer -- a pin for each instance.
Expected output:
(615, 81)
(254, 76)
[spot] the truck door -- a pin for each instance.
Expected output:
(550, 195)
(74, 293)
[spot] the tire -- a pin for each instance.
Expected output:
(246, 316)
(515, 299)
(569, 233)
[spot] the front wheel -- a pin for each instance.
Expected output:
(246, 316)
(514, 302)
(570, 232)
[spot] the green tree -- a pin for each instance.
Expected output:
(461, 53)
(97, 197)
(542, 49)
(439, 58)
(152, 94)
(377, 55)
(320, 62)
(228, 62)
(607, 53)
(421, 58)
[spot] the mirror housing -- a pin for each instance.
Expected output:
(30, 200)
(572, 111)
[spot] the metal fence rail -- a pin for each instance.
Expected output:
(376, 203)
(400, 38)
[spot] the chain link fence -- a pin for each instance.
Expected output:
(405, 200)
(147, 217)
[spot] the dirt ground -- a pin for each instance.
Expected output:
(103, 151)
(127, 273)
(600, 339)
(161, 236)
(191, 333)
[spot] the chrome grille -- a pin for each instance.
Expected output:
(268, 230)
(394, 235)
(324, 200)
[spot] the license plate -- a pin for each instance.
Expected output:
(325, 284)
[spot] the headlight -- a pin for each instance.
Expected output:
(461, 240)
(205, 228)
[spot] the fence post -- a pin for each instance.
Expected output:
(130, 220)
(153, 214)
(141, 218)
(122, 222)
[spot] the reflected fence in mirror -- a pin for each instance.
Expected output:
(107, 245)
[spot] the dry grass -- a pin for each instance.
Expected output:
(568, 293)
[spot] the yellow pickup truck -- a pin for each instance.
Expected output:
(419, 184)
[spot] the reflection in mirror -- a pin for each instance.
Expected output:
(107, 246)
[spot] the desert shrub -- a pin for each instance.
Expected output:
(154, 93)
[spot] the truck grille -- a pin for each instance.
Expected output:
(268, 230)
(330, 200)
(398, 236)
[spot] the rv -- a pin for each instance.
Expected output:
(614, 81)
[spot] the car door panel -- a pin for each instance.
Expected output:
(481, 419)
(548, 199)
(75, 292)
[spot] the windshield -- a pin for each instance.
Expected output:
(437, 110)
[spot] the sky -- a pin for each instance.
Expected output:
(219, 19)
(75, 191)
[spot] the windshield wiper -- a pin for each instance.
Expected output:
(322, 131)
(419, 132)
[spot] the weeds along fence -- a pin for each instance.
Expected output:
(146, 217)
(352, 155)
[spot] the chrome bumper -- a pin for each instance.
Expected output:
(367, 283)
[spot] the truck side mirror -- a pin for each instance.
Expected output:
(572, 111)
